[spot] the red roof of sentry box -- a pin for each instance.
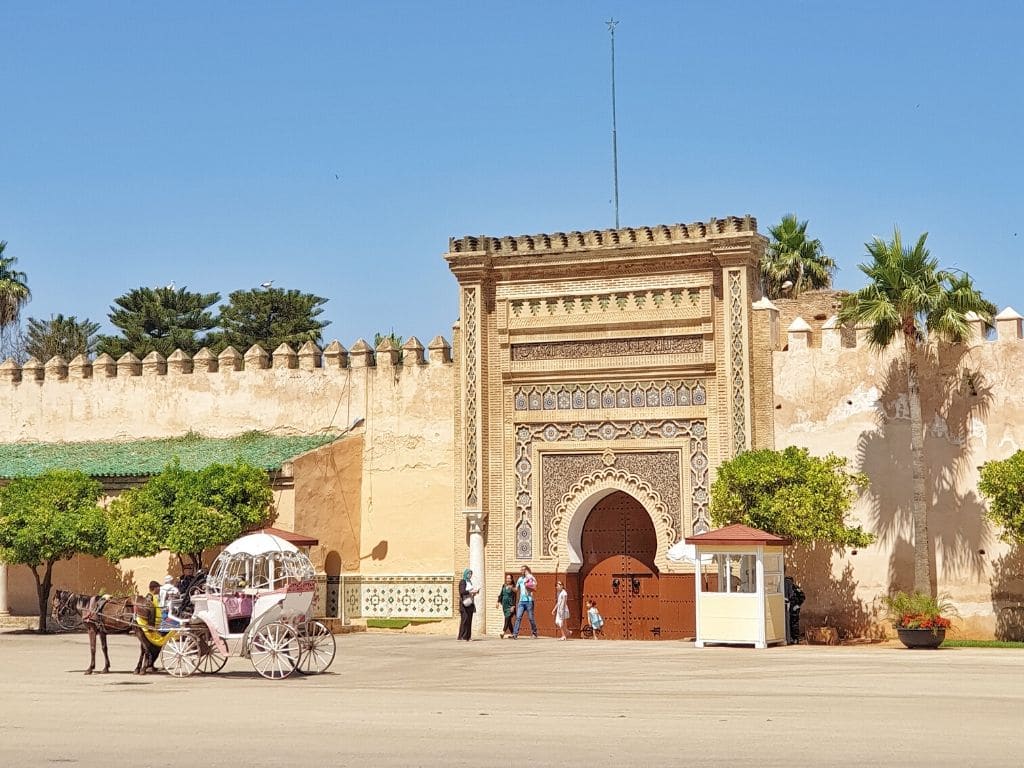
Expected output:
(737, 534)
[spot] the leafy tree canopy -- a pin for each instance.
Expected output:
(60, 335)
(790, 493)
(14, 292)
(394, 338)
(794, 263)
(908, 292)
(49, 518)
(1002, 483)
(269, 317)
(187, 511)
(160, 319)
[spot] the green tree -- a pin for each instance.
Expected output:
(14, 292)
(394, 338)
(64, 336)
(791, 257)
(1002, 483)
(790, 493)
(909, 300)
(188, 511)
(269, 317)
(160, 319)
(49, 518)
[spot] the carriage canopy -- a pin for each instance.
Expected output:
(259, 562)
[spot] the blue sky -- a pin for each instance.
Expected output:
(144, 143)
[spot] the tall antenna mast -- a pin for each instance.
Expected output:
(612, 23)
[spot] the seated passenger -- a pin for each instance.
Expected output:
(167, 594)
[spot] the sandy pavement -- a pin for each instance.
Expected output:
(393, 699)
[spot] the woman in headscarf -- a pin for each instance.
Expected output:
(466, 605)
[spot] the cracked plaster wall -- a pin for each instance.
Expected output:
(853, 402)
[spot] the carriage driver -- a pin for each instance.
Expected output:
(154, 594)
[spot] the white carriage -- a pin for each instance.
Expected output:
(258, 605)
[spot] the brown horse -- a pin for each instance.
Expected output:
(114, 615)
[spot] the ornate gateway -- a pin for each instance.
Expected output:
(604, 375)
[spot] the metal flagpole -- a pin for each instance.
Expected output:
(612, 23)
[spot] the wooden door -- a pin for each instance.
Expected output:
(619, 545)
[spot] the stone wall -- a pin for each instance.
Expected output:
(853, 402)
(813, 307)
(379, 500)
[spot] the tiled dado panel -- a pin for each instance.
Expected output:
(400, 597)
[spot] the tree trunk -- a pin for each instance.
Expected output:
(43, 586)
(918, 501)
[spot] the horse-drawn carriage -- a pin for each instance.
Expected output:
(257, 605)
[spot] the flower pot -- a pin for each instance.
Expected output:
(921, 638)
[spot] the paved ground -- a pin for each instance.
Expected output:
(421, 700)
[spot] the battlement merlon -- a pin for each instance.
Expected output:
(308, 359)
(1008, 324)
(718, 236)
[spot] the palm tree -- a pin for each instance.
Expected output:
(60, 335)
(14, 292)
(791, 258)
(910, 300)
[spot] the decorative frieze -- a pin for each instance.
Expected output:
(664, 234)
(618, 395)
(399, 596)
(470, 415)
(737, 360)
(565, 350)
(607, 303)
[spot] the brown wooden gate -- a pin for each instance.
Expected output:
(619, 545)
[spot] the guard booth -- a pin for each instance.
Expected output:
(740, 587)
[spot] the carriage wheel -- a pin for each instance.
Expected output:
(69, 620)
(317, 648)
(182, 654)
(274, 651)
(212, 660)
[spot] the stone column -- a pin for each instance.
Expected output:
(5, 609)
(475, 519)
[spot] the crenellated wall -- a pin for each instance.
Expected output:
(379, 500)
(382, 500)
(290, 391)
(852, 401)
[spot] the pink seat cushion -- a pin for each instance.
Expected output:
(238, 606)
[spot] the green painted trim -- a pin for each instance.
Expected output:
(141, 458)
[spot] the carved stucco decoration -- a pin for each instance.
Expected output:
(606, 431)
(611, 479)
(470, 406)
(737, 354)
(656, 473)
(564, 350)
(622, 395)
(602, 303)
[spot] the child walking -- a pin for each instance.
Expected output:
(561, 609)
(594, 617)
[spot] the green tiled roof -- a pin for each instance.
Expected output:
(148, 457)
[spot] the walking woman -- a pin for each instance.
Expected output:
(507, 603)
(466, 605)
